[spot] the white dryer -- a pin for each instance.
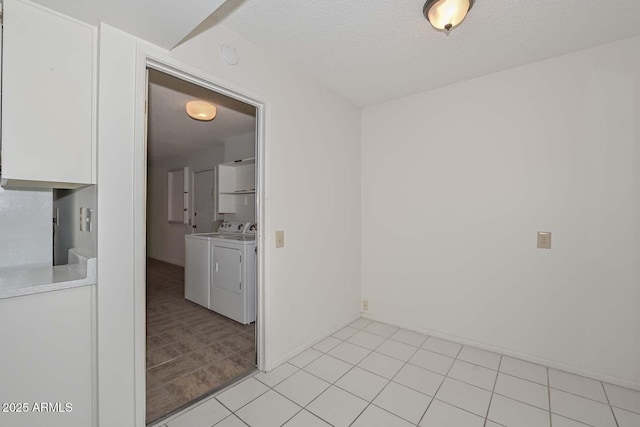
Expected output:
(233, 277)
(220, 270)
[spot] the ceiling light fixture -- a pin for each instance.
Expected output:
(201, 110)
(445, 15)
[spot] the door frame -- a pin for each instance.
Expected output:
(147, 57)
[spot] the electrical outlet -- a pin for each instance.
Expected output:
(365, 305)
(544, 240)
(280, 239)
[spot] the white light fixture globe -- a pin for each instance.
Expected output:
(201, 110)
(445, 15)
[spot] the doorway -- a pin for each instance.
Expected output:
(194, 346)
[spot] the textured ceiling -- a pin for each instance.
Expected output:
(374, 50)
(163, 22)
(172, 133)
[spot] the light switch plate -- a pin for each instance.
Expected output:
(280, 239)
(544, 240)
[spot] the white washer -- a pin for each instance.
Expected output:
(197, 263)
(220, 270)
(197, 274)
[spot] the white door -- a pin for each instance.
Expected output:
(203, 201)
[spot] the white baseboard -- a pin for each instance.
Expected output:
(310, 343)
(511, 353)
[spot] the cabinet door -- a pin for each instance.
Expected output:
(48, 356)
(48, 96)
(226, 203)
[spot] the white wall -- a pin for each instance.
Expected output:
(115, 290)
(26, 227)
(457, 181)
(240, 147)
(312, 187)
(313, 182)
(67, 233)
(166, 241)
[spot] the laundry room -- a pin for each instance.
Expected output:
(201, 250)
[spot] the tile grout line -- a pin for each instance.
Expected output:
(356, 366)
(442, 382)
(404, 364)
(322, 379)
(235, 385)
(549, 398)
(615, 419)
(486, 417)
(389, 381)
(369, 403)
(302, 408)
(520, 401)
(431, 351)
(501, 355)
(579, 395)
(526, 379)
(233, 414)
(572, 419)
(533, 406)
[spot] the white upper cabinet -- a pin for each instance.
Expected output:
(48, 98)
(236, 180)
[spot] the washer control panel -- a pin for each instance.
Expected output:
(236, 227)
(251, 228)
(232, 227)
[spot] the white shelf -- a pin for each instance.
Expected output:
(240, 163)
(235, 179)
(239, 192)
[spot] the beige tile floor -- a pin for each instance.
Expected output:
(190, 350)
(375, 375)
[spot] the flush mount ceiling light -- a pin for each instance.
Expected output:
(201, 110)
(444, 15)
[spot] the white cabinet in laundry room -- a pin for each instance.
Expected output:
(48, 98)
(236, 183)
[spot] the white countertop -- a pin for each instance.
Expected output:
(29, 280)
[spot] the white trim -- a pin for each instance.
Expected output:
(94, 355)
(147, 57)
(511, 353)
